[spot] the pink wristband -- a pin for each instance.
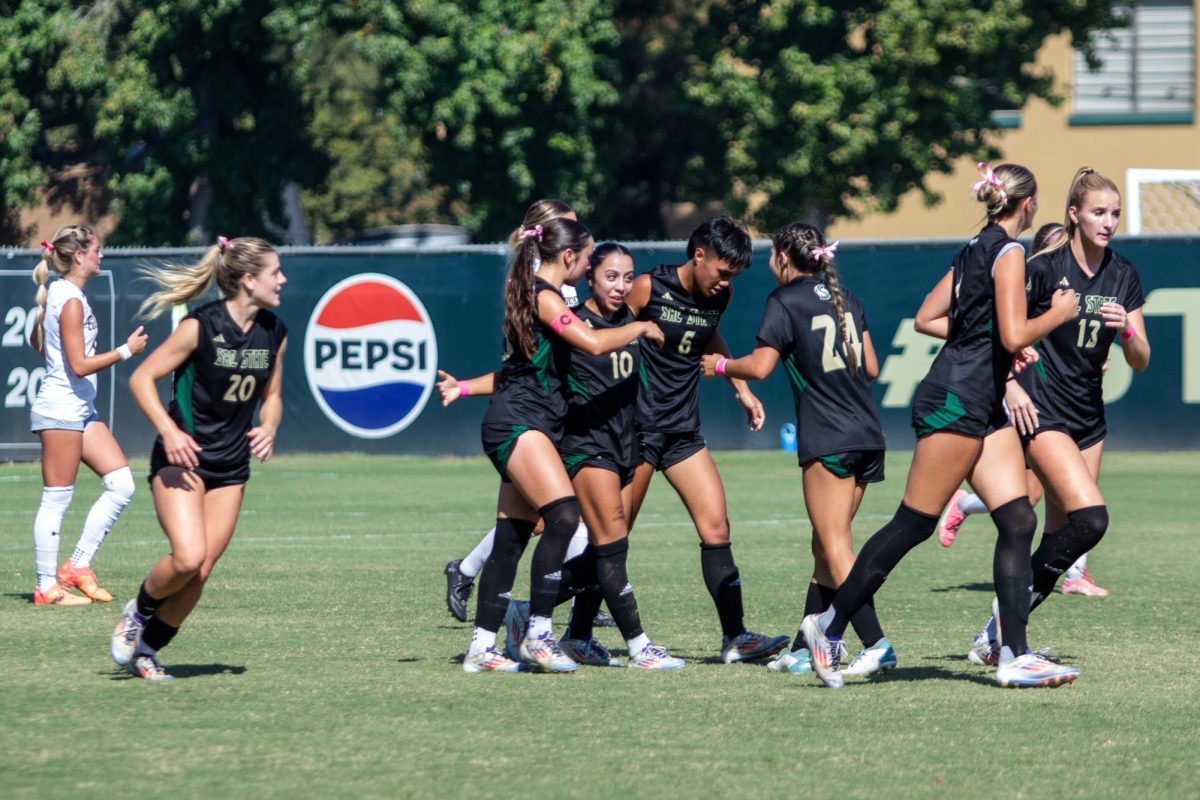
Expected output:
(464, 389)
(1128, 333)
(720, 368)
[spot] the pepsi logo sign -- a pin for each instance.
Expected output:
(370, 355)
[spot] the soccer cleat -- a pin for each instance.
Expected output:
(123, 642)
(826, 652)
(1083, 586)
(516, 620)
(589, 653)
(458, 590)
(545, 654)
(83, 579)
(654, 656)
(1033, 670)
(146, 666)
(490, 660)
(879, 657)
(603, 620)
(58, 595)
(747, 646)
(951, 519)
(795, 662)
(984, 652)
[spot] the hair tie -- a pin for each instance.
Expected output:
(224, 244)
(532, 233)
(825, 253)
(988, 177)
(47, 246)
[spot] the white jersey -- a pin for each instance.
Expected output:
(64, 395)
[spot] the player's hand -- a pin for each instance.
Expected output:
(654, 334)
(1115, 316)
(708, 364)
(756, 415)
(181, 449)
(447, 388)
(262, 442)
(1063, 303)
(137, 341)
(1020, 409)
(1023, 359)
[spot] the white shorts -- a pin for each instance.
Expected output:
(38, 422)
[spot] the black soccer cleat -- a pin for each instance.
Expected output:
(458, 590)
(603, 620)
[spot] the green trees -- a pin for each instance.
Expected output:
(197, 115)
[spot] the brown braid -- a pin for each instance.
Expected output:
(520, 302)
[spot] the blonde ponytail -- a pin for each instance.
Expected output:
(59, 254)
(224, 263)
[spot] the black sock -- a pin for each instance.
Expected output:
(866, 624)
(147, 605)
(583, 613)
(878, 557)
(1062, 548)
(618, 591)
(724, 585)
(578, 575)
(157, 634)
(1016, 524)
(561, 518)
(500, 571)
(817, 599)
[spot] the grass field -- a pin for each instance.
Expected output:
(322, 661)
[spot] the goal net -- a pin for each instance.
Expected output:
(1162, 201)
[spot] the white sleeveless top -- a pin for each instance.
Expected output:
(64, 395)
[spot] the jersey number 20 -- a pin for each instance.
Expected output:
(241, 388)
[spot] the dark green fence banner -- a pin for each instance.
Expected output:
(368, 330)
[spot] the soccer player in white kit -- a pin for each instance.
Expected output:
(64, 417)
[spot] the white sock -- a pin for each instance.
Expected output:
(637, 644)
(971, 504)
(118, 491)
(46, 526)
(481, 640)
(471, 565)
(579, 542)
(538, 627)
(1077, 569)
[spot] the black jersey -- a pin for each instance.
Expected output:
(217, 390)
(602, 395)
(973, 363)
(835, 411)
(531, 390)
(1066, 380)
(670, 398)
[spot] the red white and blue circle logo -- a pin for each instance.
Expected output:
(370, 355)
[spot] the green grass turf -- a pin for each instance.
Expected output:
(322, 661)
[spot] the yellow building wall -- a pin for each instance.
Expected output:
(1046, 143)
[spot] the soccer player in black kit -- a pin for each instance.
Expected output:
(687, 302)
(1065, 385)
(818, 329)
(963, 432)
(521, 433)
(227, 360)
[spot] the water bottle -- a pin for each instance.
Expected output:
(787, 437)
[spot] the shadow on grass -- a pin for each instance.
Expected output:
(183, 671)
(978, 586)
(26, 596)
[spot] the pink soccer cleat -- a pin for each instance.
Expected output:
(1083, 585)
(951, 519)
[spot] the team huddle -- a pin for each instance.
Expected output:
(592, 399)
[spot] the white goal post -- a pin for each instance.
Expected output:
(1162, 201)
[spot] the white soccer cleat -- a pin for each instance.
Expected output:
(826, 653)
(879, 657)
(1032, 670)
(654, 656)
(125, 636)
(794, 662)
(545, 654)
(489, 660)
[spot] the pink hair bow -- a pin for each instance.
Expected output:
(532, 233)
(824, 253)
(224, 244)
(47, 246)
(988, 177)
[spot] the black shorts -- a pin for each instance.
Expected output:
(213, 476)
(577, 461)
(499, 441)
(865, 466)
(1084, 436)
(935, 409)
(665, 450)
